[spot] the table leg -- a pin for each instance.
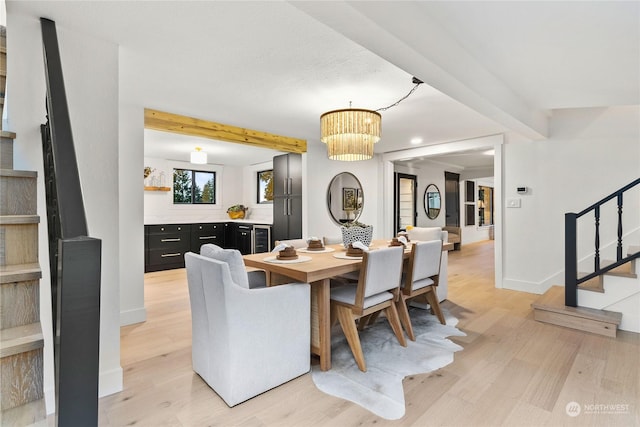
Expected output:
(321, 322)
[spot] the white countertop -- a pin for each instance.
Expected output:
(242, 221)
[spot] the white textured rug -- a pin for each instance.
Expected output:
(379, 390)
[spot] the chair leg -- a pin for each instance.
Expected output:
(351, 333)
(394, 321)
(403, 313)
(365, 321)
(333, 316)
(432, 298)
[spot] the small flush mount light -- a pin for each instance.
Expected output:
(198, 156)
(351, 133)
(416, 141)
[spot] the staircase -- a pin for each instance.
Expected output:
(21, 341)
(606, 299)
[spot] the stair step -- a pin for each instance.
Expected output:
(20, 339)
(624, 270)
(19, 303)
(18, 239)
(18, 192)
(6, 149)
(20, 272)
(32, 414)
(594, 285)
(550, 308)
(21, 365)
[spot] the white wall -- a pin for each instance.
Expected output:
(91, 77)
(590, 154)
(319, 173)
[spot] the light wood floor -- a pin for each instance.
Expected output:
(513, 370)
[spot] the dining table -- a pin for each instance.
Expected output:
(316, 268)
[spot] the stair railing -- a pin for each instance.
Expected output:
(74, 258)
(571, 280)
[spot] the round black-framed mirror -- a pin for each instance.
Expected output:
(345, 198)
(432, 201)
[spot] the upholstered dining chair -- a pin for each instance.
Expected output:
(420, 279)
(241, 276)
(245, 341)
(376, 290)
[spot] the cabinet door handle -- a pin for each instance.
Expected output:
(289, 185)
(284, 186)
(285, 207)
(288, 206)
(170, 255)
(207, 237)
(170, 240)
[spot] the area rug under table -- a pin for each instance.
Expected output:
(379, 390)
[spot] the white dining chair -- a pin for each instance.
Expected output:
(420, 280)
(376, 290)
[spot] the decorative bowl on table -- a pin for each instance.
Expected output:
(356, 232)
(288, 253)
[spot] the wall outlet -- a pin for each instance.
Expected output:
(513, 203)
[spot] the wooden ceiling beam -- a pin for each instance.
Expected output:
(168, 122)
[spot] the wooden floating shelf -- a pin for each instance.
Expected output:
(157, 188)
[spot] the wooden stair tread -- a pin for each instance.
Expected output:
(7, 134)
(593, 285)
(21, 339)
(20, 272)
(553, 300)
(624, 270)
(32, 414)
(18, 173)
(19, 219)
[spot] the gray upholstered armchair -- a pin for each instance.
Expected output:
(245, 341)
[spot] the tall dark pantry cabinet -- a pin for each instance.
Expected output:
(287, 197)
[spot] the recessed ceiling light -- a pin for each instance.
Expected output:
(416, 140)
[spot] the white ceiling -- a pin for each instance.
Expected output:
(277, 66)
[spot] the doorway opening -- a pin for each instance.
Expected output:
(452, 199)
(405, 201)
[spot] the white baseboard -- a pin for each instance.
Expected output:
(130, 317)
(110, 382)
(522, 286)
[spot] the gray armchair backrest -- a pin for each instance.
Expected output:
(233, 258)
(424, 234)
(382, 269)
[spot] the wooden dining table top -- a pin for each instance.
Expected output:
(321, 264)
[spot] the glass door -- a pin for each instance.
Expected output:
(405, 200)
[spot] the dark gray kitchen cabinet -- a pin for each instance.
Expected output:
(207, 233)
(165, 246)
(287, 197)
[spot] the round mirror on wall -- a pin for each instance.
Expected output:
(432, 201)
(345, 198)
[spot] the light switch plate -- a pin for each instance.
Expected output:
(513, 203)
